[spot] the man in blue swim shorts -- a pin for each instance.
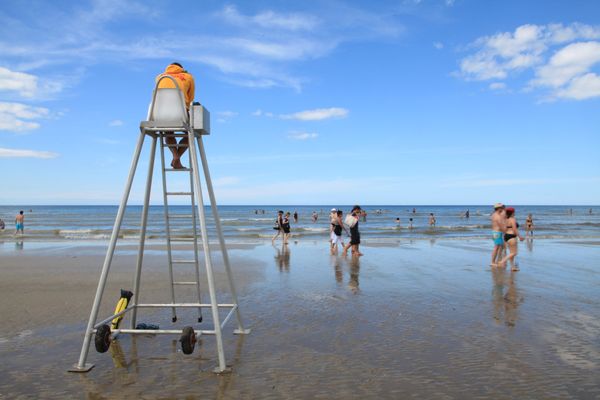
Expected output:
(498, 229)
(19, 222)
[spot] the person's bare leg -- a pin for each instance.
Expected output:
(181, 148)
(495, 256)
(346, 247)
(174, 150)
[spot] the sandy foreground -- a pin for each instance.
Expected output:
(413, 319)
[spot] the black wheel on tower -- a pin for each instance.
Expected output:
(102, 338)
(188, 340)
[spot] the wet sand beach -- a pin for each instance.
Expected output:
(423, 319)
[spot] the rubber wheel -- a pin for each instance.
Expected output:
(188, 340)
(102, 339)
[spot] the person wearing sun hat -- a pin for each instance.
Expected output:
(498, 229)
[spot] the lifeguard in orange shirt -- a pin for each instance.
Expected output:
(185, 81)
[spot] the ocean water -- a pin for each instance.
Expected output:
(247, 224)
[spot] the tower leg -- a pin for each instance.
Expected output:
(81, 366)
(215, 212)
(144, 223)
(209, 271)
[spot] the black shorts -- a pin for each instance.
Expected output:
(355, 239)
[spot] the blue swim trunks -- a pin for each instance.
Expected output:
(497, 237)
(19, 226)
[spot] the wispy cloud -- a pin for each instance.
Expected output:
(17, 153)
(303, 135)
(115, 122)
(438, 45)
(17, 117)
(477, 182)
(250, 49)
(567, 72)
(317, 114)
(224, 116)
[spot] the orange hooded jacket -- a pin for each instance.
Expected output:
(185, 81)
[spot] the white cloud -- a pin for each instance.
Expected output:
(254, 50)
(20, 82)
(501, 55)
(257, 113)
(497, 85)
(15, 153)
(450, 3)
(303, 135)
(226, 181)
(318, 114)
(581, 87)
(16, 117)
(567, 63)
(271, 19)
(438, 45)
(115, 122)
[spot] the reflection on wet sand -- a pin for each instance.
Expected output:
(529, 244)
(130, 371)
(505, 296)
(282, 257)
(354, 265)
(19, 244)
(336, 263)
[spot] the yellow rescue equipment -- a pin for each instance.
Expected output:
(121, 305)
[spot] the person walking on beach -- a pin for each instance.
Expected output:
(529, 225)
(498, 229)
(431, 220)
(20, 223)
(286, 227)
(510, 237)
(278, 226)
(185, 82)
(354, 233)
(337, 226)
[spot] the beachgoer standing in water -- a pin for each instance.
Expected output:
(20, 223)
(315, 216)
(498, 229)
(431, 220)
(510, 237)
(354, 233)
(278, 226)
(295, 216)
(336, 231)
(286, 227)
(529, 225)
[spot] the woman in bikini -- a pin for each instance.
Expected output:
(529, 225)
(510, 238)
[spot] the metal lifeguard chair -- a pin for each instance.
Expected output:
(168, 117)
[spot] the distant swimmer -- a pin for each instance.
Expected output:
(414, 210)
(431, 220)
(295, 216)
(20, 223)
(398, 221)
(467, 214)
(315, 216)
(529, 225)
(2, 224)
(410, 223)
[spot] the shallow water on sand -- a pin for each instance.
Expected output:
(417, 319)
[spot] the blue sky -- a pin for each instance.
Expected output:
(327, 102)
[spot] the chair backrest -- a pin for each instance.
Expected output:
(168, 105)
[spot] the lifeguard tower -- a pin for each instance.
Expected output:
(168, 117)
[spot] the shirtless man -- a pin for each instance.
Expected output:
(498, 229)
(19, 221)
